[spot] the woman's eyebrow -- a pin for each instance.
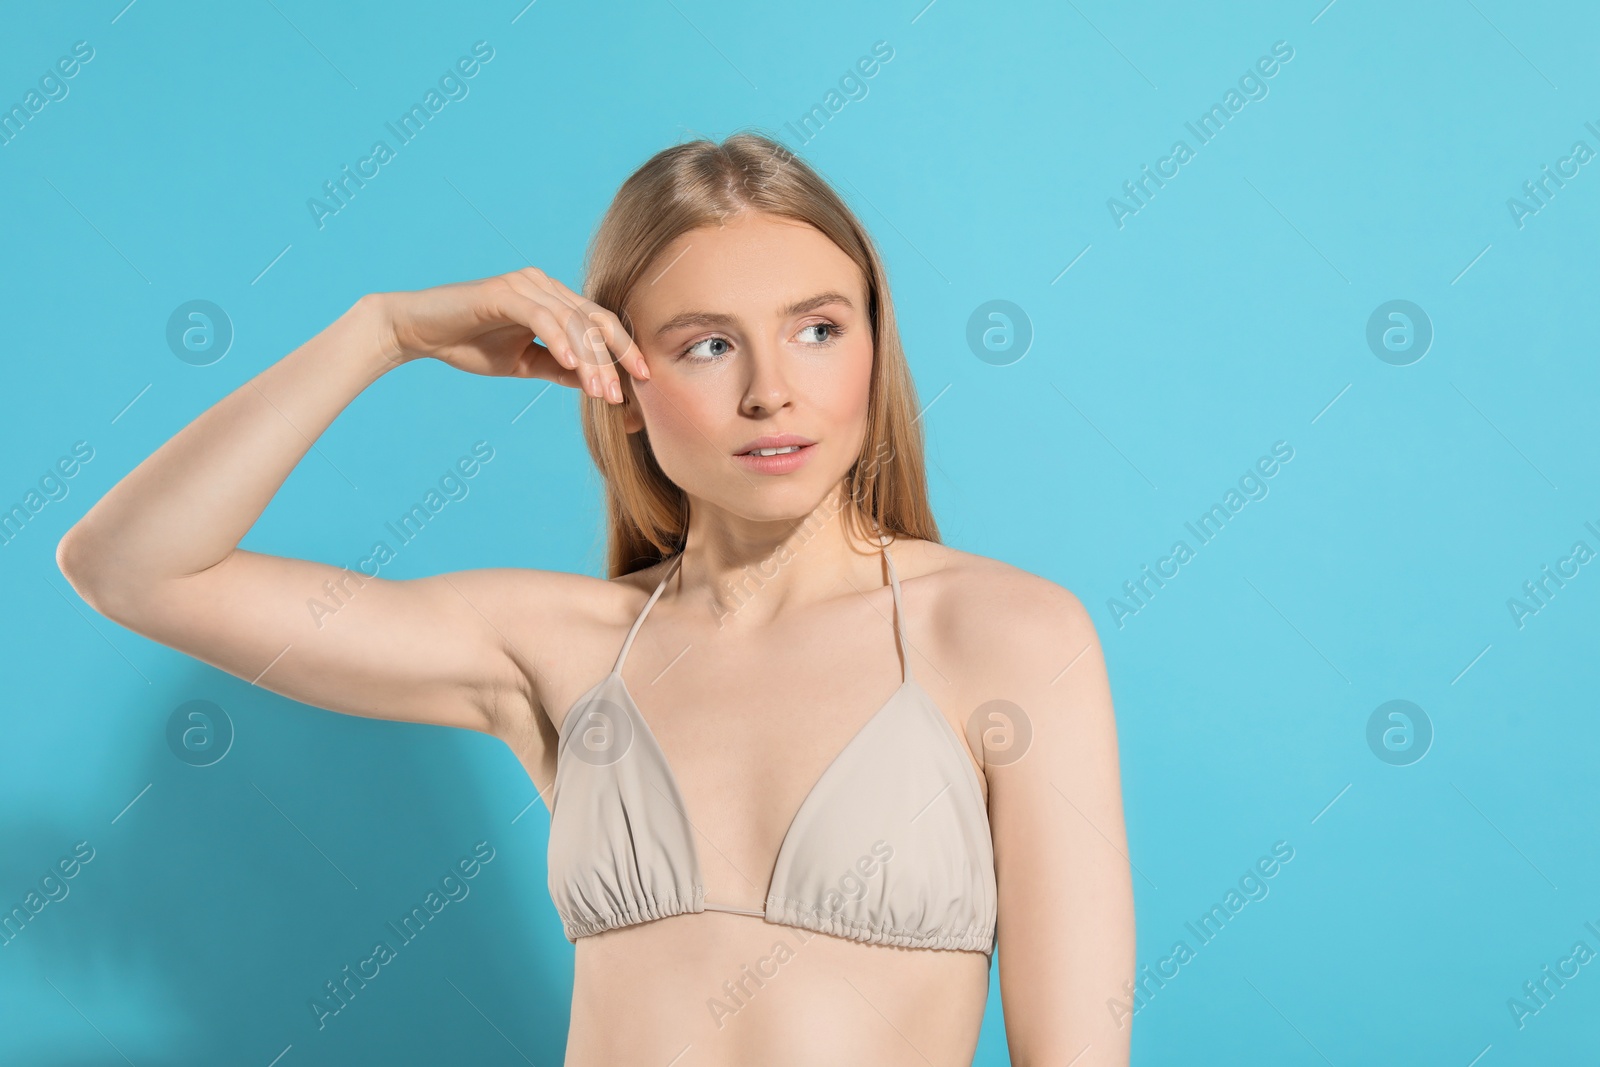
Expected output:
(719, 318)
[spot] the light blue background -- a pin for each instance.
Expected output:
(1228, 314)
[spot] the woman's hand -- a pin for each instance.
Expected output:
(494, 326)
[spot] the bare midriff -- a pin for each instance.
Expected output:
(716, 989)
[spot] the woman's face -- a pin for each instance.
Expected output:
(752, 329)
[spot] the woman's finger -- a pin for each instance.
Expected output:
(617, 339)
(594, 370)
(505, 302)
(537, 361)
(620, 345)
(508, 302)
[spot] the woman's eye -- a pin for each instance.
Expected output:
(833, 331)
(700, 352)
(690, 351)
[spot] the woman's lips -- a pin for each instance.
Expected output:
(782, 463)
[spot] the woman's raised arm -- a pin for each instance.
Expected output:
(159, 552)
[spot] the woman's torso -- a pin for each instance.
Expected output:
(748, 725)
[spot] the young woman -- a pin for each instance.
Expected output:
(807, 767)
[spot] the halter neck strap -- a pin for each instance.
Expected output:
(899, 615)
(648, 604)
(894, 584)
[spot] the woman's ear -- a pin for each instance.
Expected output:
(632, 418)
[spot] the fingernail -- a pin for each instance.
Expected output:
(615, 389)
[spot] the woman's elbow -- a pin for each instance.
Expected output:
(84, 565)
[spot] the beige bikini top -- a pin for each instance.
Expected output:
(891, 846)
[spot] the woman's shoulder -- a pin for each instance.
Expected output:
(979, 583)
(989, 610)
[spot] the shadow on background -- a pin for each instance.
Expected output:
(220, 901)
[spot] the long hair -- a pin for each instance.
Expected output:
(700, 183)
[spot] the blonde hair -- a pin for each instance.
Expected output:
(699, 183)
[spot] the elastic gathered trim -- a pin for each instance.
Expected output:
(667, 908)
(809, 917)
(796, 913)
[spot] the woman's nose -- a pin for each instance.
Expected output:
(767, 385)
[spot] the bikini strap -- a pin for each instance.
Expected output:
(894, 584)
(899, 613)
(648, 604)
